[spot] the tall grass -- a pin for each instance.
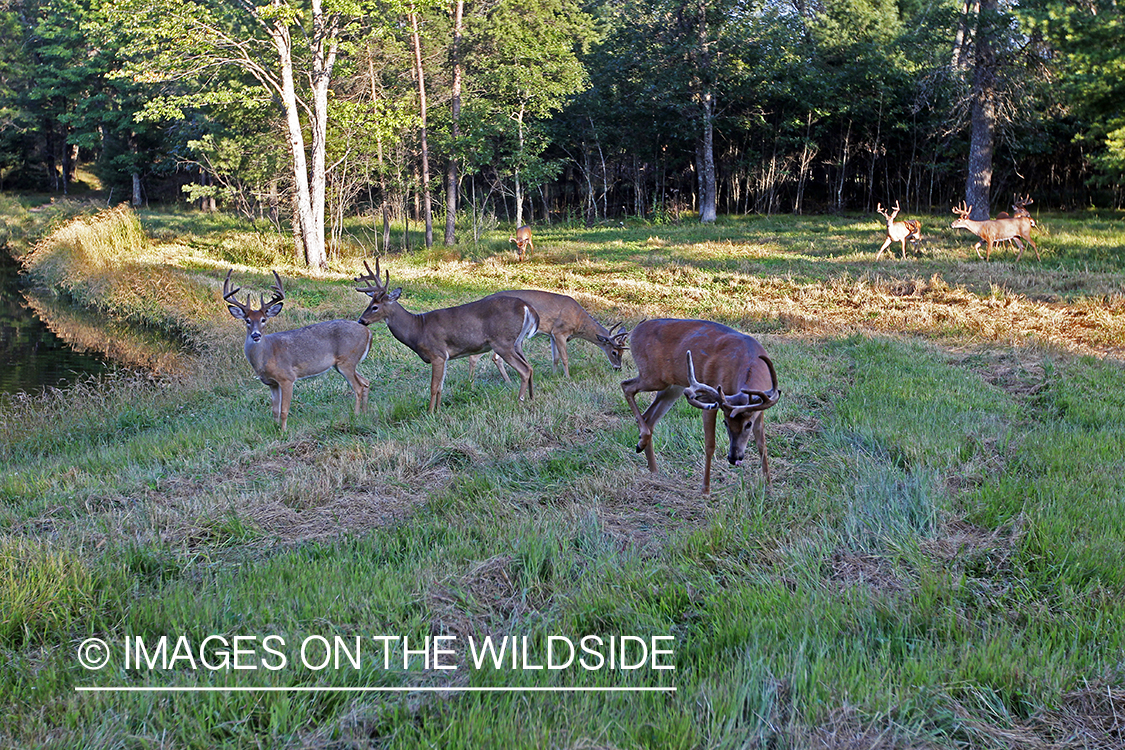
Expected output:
(937, 564)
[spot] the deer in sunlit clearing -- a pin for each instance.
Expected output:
(1014, 228)
(899, 231)
(282, 358)
(1019, 208)
(524, 245)
(498, 324)
(669, 353)
(562, 318)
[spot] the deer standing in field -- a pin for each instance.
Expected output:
(669, 353)
(497, 324)
(1019, 208)
(523, 241)
(898, 231)
(282, 358)
(996, 230)
(562, 318)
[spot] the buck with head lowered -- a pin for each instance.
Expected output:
(497, 324)
(282, 358)
(524, 245)
(716, 368)
(563, 319)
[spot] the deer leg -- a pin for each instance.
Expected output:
(631, 388)
(473, 359)
(1018, 244)
(903, 243)
(708, 447)
(554, 355)
(886, 244)
(275, 401)
(437, 379)
(360, 385)
(500, 366)
(286, 389)
(660, 405)
(760, 441)
(560, 347)
(515, 357)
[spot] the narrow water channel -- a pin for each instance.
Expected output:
(31, 356)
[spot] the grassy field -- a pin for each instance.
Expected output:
(939, 562)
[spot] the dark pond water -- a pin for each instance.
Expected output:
(31, 356)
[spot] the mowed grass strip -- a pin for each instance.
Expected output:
(937, 563)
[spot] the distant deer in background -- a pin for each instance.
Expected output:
(1014, 228)
(282, 358)
(1019, 208)
(524, 245)
(562, 318)
(899, 231)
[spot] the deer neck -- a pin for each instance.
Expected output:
(405, 325)
(257, 352)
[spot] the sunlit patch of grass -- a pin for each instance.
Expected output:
(49, 593)
(936, 562)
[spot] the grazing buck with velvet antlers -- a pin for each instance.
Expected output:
(524, 245)
(1014, 228)
(898, 231)
(563, 319)
(734, 375)
(282, 358)
(497, 324)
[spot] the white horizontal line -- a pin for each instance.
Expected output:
(327, 689)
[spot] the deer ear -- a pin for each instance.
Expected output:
(394, 295)
(237, 312)
(274, 310)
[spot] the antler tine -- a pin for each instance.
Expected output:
(228, 293)
(373, 278)
(278, 293)
(760, 400)
(696, 389)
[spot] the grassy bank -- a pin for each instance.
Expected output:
(940, 560)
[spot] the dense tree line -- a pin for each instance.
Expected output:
(478, 111)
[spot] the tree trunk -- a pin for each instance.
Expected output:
(325, 37)
(978, 186)
(455, 131)
(707, 213)
(426, 198)
(519, 185)
(311, 249)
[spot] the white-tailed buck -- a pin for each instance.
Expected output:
(899, 231)
(996, 230)
(671, 353)
(1019, 208)
(282, 358)
(524, 245)
(563, 319)
(498, 324)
